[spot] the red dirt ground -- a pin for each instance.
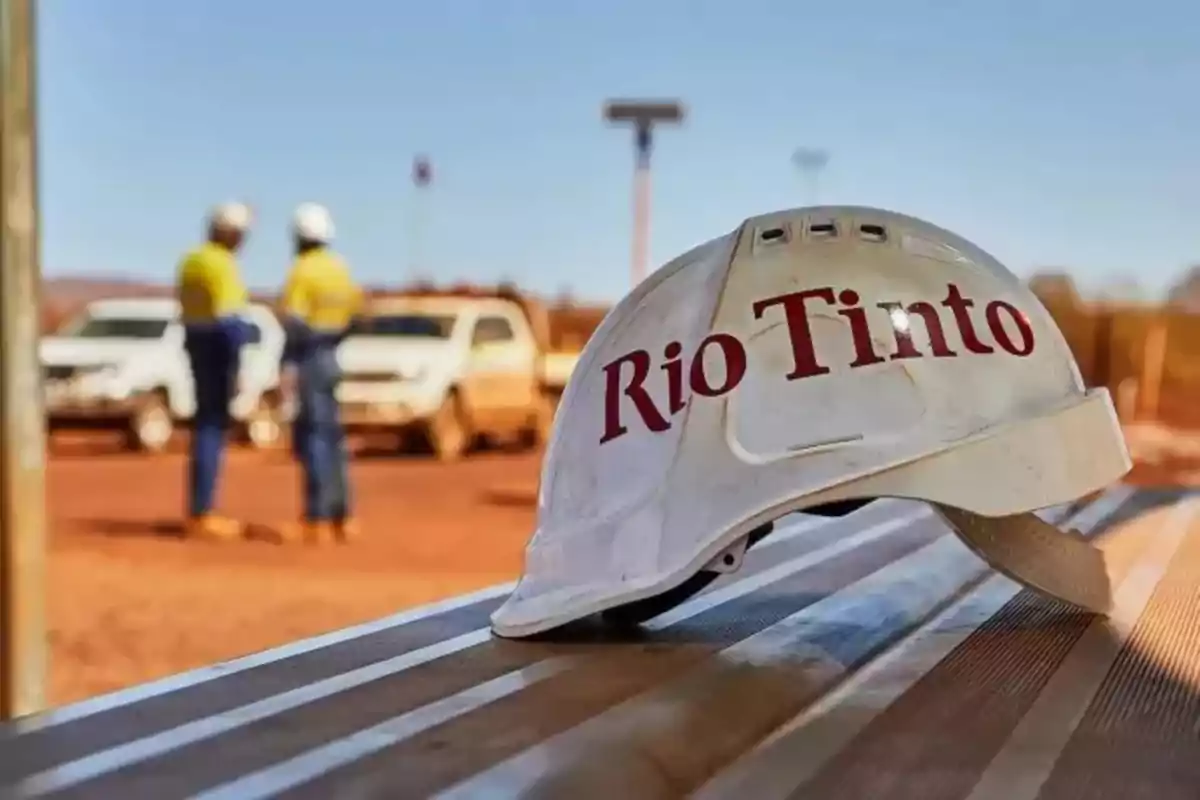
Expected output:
(129, 600)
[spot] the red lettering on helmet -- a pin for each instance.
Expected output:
(901, 317)
(795, 314)
(1019, 342)
(860, 330)
(652, 418)
(933, 328)
(734, 355)
(962, 317)
(674, 370)
(996, 326)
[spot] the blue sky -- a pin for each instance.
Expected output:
(1051, 132)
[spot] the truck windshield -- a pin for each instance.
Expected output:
(429, 326)
(117, 328)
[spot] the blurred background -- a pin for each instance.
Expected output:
(461, 145)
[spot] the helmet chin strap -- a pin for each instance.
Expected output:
(1059, 563)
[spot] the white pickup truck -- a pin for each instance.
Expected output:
(121, 364)
(444, 371)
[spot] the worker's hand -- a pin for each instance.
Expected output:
(288, 386)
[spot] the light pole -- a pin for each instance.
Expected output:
(811, 162)
(22, 418)
(643, 115)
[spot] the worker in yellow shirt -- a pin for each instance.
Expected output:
(212, 296)
(319, 305)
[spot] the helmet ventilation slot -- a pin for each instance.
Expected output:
(774, 236)
(822, 230)
(872, 232)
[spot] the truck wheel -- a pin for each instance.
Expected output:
(447, 432)
(151, 427)
(541, 422)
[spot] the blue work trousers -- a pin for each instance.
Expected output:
(317, 434)
(213, 354)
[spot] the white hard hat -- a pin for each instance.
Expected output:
(232, 216)
(313, 223)
(813, 356)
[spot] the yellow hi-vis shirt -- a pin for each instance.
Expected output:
(209, 285)
(320, 292)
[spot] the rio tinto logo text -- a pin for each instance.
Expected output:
(1007, 330)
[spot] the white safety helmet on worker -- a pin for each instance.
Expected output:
(313, 223)
(231, 216)
(813, 356)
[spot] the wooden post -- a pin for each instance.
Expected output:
(1153, 362)
(22, 419)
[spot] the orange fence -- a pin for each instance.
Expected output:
(1148, 356)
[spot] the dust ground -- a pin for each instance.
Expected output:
(129, 600)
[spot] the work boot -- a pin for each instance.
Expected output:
(315, 533)
(213, 528)
(348, 530)
(320, 533)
